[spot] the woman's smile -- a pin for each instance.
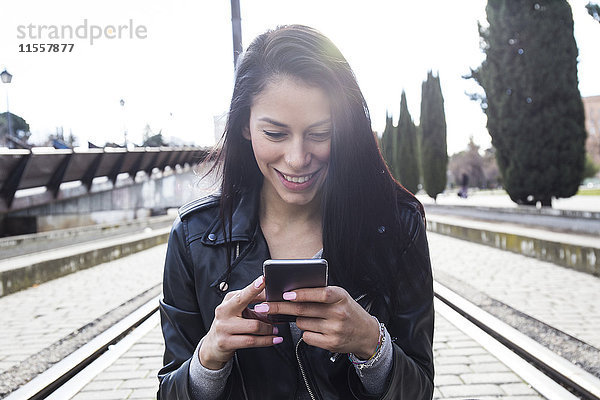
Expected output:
(298, 182)
(296, 179)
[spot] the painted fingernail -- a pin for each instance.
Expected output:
(262, 308)
(275, 330)
(289, 296)
(277, 340)
(258, 281)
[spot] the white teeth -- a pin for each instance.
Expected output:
(297, 179)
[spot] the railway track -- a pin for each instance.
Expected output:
(64, 379)
(551, 375)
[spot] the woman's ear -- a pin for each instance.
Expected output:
(246, 132)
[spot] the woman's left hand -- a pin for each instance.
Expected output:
(330, 319)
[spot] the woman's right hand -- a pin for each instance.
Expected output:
(231, 331)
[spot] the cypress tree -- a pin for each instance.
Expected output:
(533, 105)
(407, 161)
(434, 154)
(388, 142)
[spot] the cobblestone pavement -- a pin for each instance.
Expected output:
(133, 375)
(501, 199)
(463, 370)
(563, 298)
(35, 318)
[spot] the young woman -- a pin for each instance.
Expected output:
(302, 177)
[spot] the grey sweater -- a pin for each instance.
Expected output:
(209, 384)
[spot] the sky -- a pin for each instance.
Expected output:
(173, 64)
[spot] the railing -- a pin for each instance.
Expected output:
(49, 168)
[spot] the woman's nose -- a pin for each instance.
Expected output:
(298, 156)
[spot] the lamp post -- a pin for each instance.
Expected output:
(122, 102)
(236, 28)
(7, 78)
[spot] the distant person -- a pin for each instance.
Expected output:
(464, 187)
(302, 177)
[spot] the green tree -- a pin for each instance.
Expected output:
(155, 141)
(490, 169)
(481, 169)
(468, 162)
(388, 142)
(18, 126)
(407, 164)
(434, 155)
(593, 10)
(533, 106)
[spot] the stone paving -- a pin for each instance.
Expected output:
(133, 375)
(501, 199)
(563, 298)
(464, 369)
(35, 318)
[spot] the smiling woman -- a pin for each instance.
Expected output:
(302, 177)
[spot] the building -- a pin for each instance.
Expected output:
(591, 106)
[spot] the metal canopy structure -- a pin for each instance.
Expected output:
(49, 168)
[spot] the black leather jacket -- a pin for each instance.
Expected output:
(194, 268)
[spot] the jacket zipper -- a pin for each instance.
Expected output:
(333, 358)
(310, 392)
(237, 364)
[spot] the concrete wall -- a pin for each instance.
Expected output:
(125, 201)
(52, 265)
(582, 258)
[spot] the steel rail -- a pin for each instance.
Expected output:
(559, 370)
(568, 375)
(53, 378)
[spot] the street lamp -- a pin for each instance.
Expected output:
(122, 102)
(236, 28)
(7, 78)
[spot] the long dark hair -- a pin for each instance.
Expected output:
(360, 199)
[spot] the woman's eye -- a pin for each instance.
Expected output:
(321, 136)
(274, 135)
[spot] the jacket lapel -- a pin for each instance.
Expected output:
(245, 220)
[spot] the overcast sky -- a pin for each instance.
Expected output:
(177, 74)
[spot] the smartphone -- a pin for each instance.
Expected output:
(285, 275)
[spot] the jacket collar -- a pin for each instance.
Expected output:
(245, 218)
